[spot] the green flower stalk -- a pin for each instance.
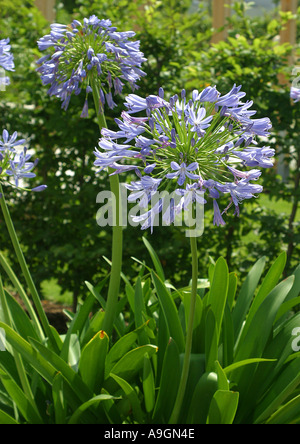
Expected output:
(117, 241)
(94, 57)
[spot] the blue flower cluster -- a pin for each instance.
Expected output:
(191, 147)
(6, 61)
(87, 51)
(15, 163)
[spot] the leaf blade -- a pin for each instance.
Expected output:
(92, 361)
(223, 408)
(170, 312)
(155, 259)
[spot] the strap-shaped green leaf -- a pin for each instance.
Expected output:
(282, 388)
(268, 284)
(24, 405)
(168, 384)
(259, 327)
(246, 295)
(288, 414)
(92, 361)
(132, 362)
(59, 399)
(223, 408)
(148, 384)
(132, 396)
(6, 419)
(218, 292)
(155, 260)
(75, 418)
(170, 312)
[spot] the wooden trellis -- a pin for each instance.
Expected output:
(47, 7)
(289, 33)
(220, 12)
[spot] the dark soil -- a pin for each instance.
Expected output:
(56, 316)
(54, 312)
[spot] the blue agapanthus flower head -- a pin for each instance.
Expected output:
(15, 162)
(90, 50)
(197, 149)
(6, 61)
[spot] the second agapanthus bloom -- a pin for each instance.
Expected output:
(189, 148)
(89, 55)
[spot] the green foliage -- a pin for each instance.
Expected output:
(243, 368)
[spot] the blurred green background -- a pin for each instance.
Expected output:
(58, 230)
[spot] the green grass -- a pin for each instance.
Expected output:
(51, 291)
(279, 206)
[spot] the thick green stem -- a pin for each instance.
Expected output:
(116, 267)
(117, 241)
(189, 336)
(25, 270)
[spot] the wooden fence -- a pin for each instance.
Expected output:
(48, 8)
(289, 33)
(220, 13)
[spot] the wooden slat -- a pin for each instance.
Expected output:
(220, 14)
(47, 8)
(289, 33)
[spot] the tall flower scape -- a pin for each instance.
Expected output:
(193, 148)
(93, 57)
